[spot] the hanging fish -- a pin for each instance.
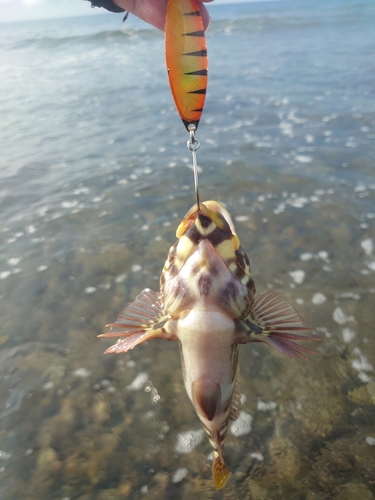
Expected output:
(186, 59)
(207, 302)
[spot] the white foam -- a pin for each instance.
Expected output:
(303, 159)
(306, 256)
(42, 268)
(318, 298)
(299, 202)
(340, 317)
(348, 295)
(309, 138)
(136, 268)
(82, 373)
(362, 364)
(323, 254)
(90, 289)
(13, 261)
(242, 425)
(138, 382)
(48, 385)
(121, 278)
(241, 218)
(363, 377)
(69, 204)
(370, 440)
(266, 406)
(4, 275)
(280, 209)
(298, 276)
(179, 475)
(286, 128)
(348, 335)
(368, 246)
(187, 441)
(82, 190)
(257, 456)
(31, 229)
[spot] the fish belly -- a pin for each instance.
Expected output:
(206, 339)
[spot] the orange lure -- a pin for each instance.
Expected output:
(186, 58)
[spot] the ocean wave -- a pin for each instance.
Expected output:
(110, 36)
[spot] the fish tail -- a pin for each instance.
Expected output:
(277, 323)
(220, 472)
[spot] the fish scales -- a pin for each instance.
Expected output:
(207, 301)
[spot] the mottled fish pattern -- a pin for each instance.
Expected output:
(207, 302)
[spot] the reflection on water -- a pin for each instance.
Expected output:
(86, 226)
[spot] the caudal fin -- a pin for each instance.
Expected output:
(275, 322)
(220, 472)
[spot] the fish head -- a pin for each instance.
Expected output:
(211, 216)
(207, 239)
(212, 224)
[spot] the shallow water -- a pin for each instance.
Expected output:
(94, 180)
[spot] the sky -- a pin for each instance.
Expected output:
(20, 10)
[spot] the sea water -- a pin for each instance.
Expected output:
(95, 177)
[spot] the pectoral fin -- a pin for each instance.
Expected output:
(141, 320)
(273, 321)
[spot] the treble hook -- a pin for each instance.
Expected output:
(193, 144)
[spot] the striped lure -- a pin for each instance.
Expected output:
(186, 58)
(207, 302)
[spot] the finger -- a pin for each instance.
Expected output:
(154, 11)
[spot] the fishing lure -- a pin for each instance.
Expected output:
(186, 59)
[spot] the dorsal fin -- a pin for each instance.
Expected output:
(206, 398)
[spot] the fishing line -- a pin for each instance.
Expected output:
(193, 144)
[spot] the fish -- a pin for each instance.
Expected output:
(207, 302)
(186, 59)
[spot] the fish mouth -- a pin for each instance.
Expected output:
(210, 214)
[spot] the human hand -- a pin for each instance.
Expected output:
(154, 11)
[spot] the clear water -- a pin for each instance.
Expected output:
(94, 179)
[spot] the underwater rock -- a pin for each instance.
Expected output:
(362, 395)
(285, 459)
(256, 491)
(354, 491)
(47, 467)
(57, 430)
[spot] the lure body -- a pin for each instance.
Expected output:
(186, 58)
(207, 302)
